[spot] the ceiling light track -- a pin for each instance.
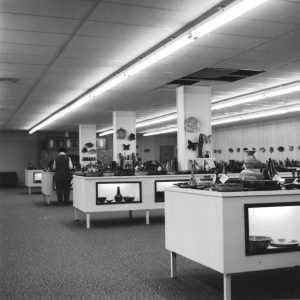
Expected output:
(257, 96)
(223, 16)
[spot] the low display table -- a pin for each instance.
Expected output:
(213, 229)
(96, 194)
(33, 178)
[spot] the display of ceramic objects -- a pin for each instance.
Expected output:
(121, 133)
(128, 198)
(257, 242)
(192, 124)
(284, 243)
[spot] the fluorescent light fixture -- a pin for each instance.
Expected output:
(256, 115)
(107, 132)
(225, 120)
(156, 120)
(108, 85)
(237, 102)
(273, 92)
(62, 112)
(284, 91)
(225, 15)
(263, 114)
(155, 132)
(232, 11)
(160, 54)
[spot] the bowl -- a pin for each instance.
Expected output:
(101, 199)
(257, 242)
(227, 187)
(128, 198)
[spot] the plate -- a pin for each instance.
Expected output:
(284, 243)
(192, 124)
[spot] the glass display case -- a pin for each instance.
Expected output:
(161, 185)
(272, 227)
(109, 193)
(37, 177)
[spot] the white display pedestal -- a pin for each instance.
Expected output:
(209, 227)
(151, 187)
(48, 188)
(33, 178)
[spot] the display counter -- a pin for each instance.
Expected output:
(214, 229)
(48, 188)
(97, 194)
(33, 178)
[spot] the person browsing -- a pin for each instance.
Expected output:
(62, 165)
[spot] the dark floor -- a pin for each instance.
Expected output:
(46, 255)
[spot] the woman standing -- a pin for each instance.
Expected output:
(62, 165)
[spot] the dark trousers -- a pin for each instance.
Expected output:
(63, 191)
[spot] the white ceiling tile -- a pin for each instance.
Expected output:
(256, 28)
(277, 11)
(32, 38)
(27, 49)
(37, 24)
(54, 8)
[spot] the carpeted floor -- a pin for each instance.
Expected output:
(46, 255)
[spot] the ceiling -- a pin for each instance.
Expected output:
(59, 49)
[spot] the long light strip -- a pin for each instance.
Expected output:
(274, 92)
(256, 115)
(155, 132)
(106, 132)
(156, 120)
(229, 13)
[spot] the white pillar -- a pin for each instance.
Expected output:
(192, 101)
(87, 144)
(124, 120)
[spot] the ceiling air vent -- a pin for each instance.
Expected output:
(8, 80)
(219, 74)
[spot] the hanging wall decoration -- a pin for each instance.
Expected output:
(291, 148)
(121, 133)
(192, 124)
(262, 149)
(126, 147)
(192, 146)
(230, 150)
(271, 150)
(131, 137)
(280, 149)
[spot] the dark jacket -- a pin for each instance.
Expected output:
(62, 171)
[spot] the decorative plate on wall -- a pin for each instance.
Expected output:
(192, 124)
(121, 133)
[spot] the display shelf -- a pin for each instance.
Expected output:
(108, 190)
(209, 228)
(87, 198)
(275, 221)
(162, 185)
(33, 178)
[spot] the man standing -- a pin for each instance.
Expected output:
(62, 165)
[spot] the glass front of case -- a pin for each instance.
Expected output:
(272, 227)
(37, 177)
(118, 192)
